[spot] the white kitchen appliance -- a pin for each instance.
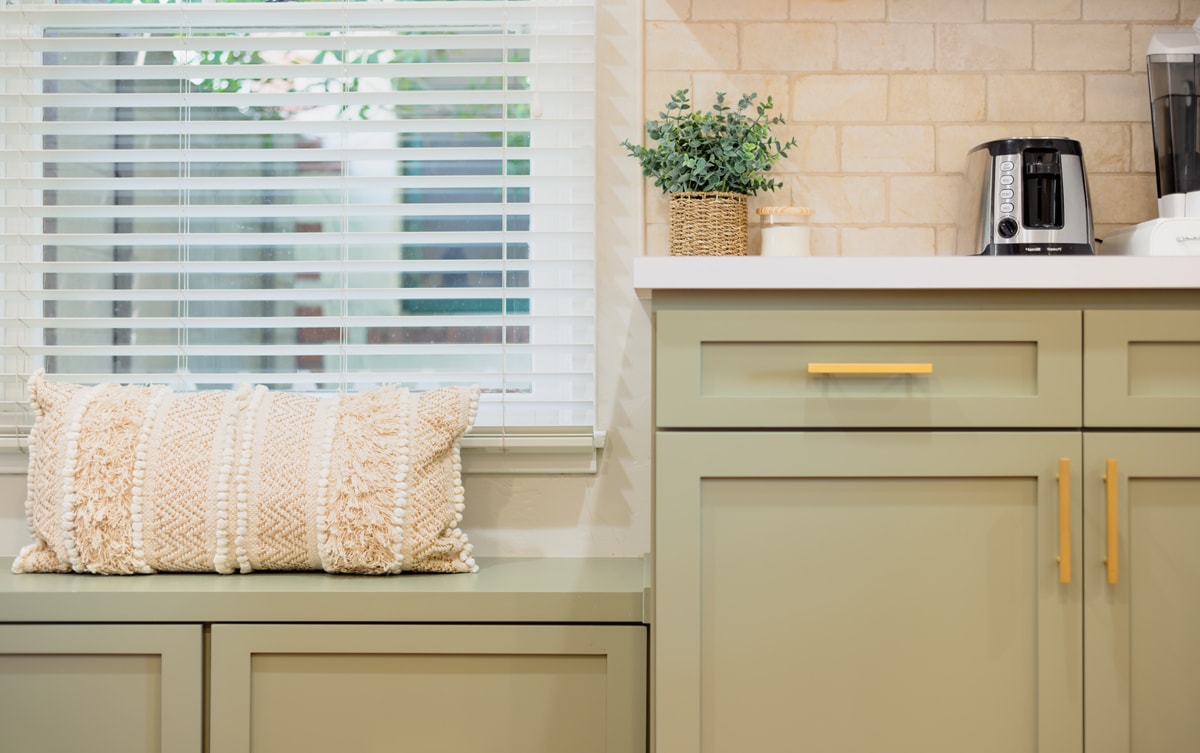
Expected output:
(1173, 68)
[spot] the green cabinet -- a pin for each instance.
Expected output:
(910, 551)
(529, 655)
(101, 688)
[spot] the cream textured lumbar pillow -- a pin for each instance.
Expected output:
(139, 479)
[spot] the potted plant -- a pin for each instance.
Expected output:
(710, 163)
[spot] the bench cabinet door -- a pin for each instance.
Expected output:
(499, 688)
(101, 688)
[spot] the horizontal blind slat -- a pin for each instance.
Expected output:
(319, 15)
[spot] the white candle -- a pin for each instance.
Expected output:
(785, 240)
(785, 231)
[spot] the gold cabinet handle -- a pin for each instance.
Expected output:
(1064, 520)
(870, 368)
(1111, 487)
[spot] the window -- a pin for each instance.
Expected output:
(310, 195)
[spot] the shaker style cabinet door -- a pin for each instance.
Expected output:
(1142, 369)
(495, 688)
(848, 592)
(101, 688)
(1142, 592)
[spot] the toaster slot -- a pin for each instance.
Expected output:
(1043, 202)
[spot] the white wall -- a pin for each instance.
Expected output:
(609, 513)
(603, 514)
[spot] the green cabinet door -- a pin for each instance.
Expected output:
(101, 688)
(496, 688)
(1143, 630)
(845, 592)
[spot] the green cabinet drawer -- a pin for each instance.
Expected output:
(1142, 369)
(868, 368)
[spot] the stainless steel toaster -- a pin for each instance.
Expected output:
(1025, 196)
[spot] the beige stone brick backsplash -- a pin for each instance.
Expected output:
(657, 90)
(1032, 10)
(984, 47)
(1117, 97)
(837, 10)
(888, 149)
(788, 46)
(1081, 47)
(839, 98)
(742, 10)
(936, 11)
(774, 85)
(842, 200)
(691, 47)
(925, 199)
(1142, 151)
(885, 47)
(886, 97)
(1130, 10)
(888, 241)
(947, 241)
(780, 197)
(937, 98)
(824, 241)
(1122, 198)
(1025, 97)
(816, 150)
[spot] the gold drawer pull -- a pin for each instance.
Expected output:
(1111, 479)
(870, 368)
(1064, 520)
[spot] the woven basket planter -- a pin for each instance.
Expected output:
(708, 224)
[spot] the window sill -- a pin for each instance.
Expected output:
(532, 454)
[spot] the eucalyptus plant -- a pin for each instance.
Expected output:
(725, 149)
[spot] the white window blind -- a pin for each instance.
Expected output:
(314, 196)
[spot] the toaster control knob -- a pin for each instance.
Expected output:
(1007, 227)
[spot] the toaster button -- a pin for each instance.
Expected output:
(1006, 193)
(1006, 208)
(1006, 165)
(1006, 180)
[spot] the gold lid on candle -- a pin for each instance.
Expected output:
(785, 210)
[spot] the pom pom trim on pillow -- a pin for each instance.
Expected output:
(137, 479)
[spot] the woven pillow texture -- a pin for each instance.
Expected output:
(139, 479)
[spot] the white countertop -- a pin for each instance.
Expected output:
(916, 273)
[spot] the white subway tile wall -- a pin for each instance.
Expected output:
(885, 98)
